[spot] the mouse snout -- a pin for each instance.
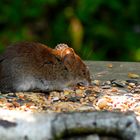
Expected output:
(84, 83)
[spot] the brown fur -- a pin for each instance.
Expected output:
(33, 66)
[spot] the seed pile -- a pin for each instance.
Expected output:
(114, 95)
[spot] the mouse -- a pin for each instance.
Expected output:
(33, 66)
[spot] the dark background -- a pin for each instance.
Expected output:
(96, 29)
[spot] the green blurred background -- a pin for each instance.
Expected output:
(96, 29)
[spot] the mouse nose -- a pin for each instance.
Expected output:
(83, 83)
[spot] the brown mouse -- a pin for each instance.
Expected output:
(30, 66)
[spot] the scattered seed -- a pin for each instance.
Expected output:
(108, 82)
(114, 90)
(132, 81)
(55, 99)
(109, 65)
(16, 104)
(106, 87)
(74, 99)
(9, 105)
(133, 75)
(91, 98)
(118, 83)
(79, 91)
(96, 82)
(102, 103)
(131, 84)
(88, 92)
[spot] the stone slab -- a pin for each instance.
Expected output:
(100, 70)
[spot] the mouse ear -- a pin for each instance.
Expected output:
(67, 55)
(61, 46)
(69, 58)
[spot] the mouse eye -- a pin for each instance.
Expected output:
(48, 62)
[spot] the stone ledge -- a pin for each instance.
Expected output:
(119, 70)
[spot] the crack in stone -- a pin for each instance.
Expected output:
(7, 124)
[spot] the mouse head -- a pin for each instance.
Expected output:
(76, 67)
